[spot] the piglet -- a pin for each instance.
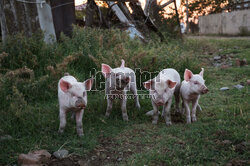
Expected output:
(72, 96)
(161, 90)
(191, 88)
(118, 82)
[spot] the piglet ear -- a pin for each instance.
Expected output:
(106, 70)
(171, 84)
(88, 84)
(148, 84)
(65, 86)
(202, 72)
(188, 75)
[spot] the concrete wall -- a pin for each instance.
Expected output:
(232, 23)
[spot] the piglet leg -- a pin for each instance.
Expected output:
(187, 111)
(199, 107)
(109, 106)
(166, 112)
(194, 106)
(136, 97)
(155, 113)
(123, 107)
(62, 116)
(79, 115)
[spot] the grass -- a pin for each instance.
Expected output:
(32, 120)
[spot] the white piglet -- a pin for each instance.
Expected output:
(191, 88)
(72, 96)
(161, 90)
(118, 82)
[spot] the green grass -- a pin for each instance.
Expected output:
(31, 116)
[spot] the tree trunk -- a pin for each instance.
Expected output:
(132, 29)
(4, 29)
(139, 14)
(187, 21)
(63, 16)
(13, 9)
(89, 14)
(125, 10)
(177, 17)
(27, 18)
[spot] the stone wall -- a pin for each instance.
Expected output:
(232, 23)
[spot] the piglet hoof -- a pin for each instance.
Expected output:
(194, 119)
(125, 118)
(188, 121)
(80, 134)
(154, 122)
(107, 115)
(60, 131)
(168, 123)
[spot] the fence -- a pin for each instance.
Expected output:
(27, 16)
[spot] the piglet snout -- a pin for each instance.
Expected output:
(160, 103)
(82, 106)
(205, 91)
(79, 103)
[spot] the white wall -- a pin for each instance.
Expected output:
(225, 23)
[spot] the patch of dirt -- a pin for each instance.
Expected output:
(238, 162)
(219, 37)
(112, 151)
(105, 153)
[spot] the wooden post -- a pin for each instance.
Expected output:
(46, 21)
(4, 28)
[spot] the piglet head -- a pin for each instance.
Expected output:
(118, 78)
(77, 92)
(121, 80)
(160, 91)
(196, 81)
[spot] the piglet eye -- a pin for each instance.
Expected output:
(84, 94)
(196, 82)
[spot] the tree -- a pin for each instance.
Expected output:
(4, 28)
(203, 7)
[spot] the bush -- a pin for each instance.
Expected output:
(33, 67)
